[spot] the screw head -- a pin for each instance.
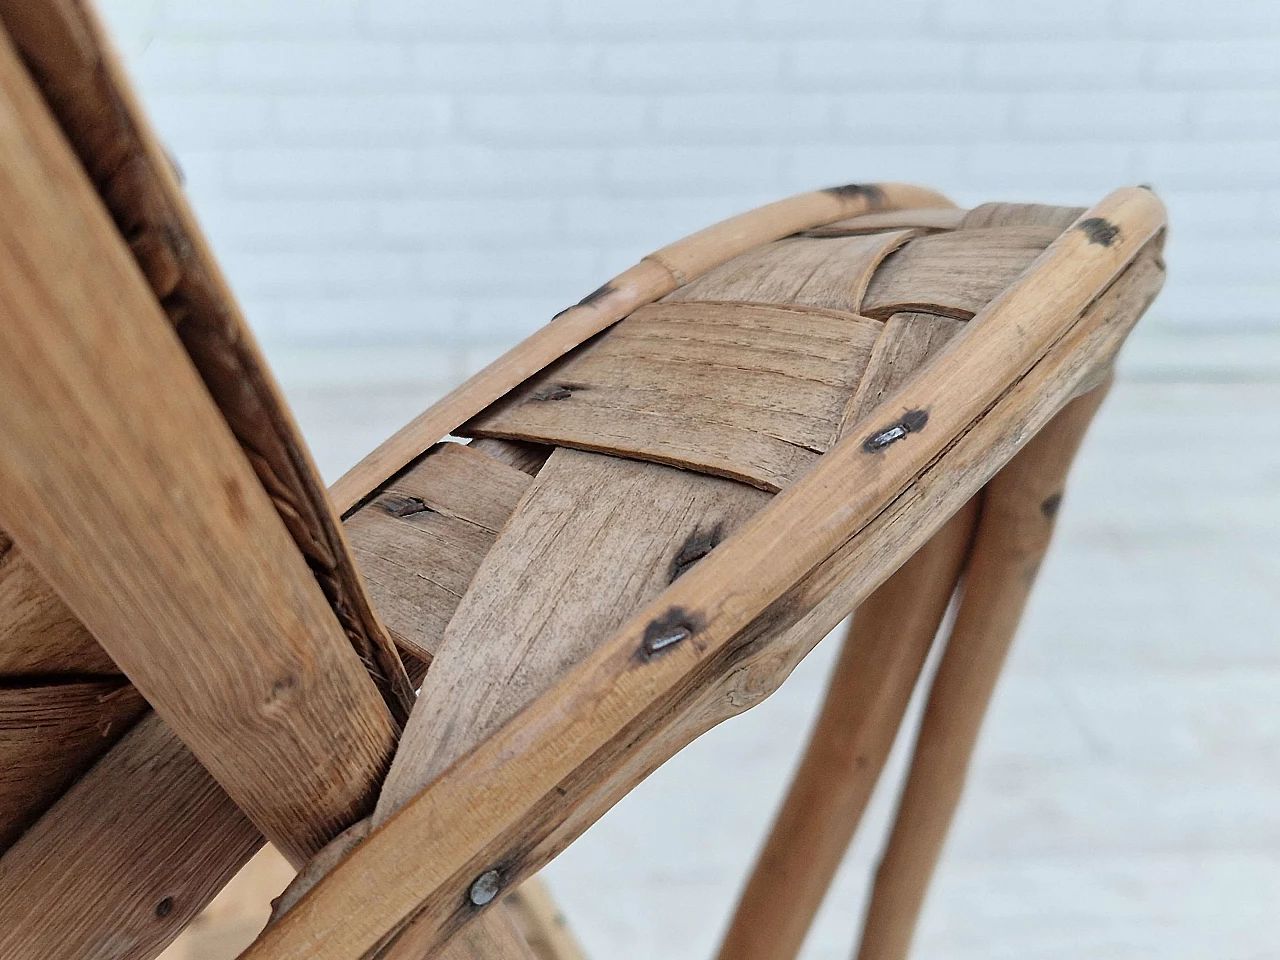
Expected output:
(485, 887)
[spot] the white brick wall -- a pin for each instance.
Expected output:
(447, 175)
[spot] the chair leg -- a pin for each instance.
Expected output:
(545, 929)
(1015, 524)
(886, 646)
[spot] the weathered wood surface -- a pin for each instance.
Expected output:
(883, 654)
(745, 391)
(420, 542)
(827, 273)
(127, 491)
(656, 275)
(954, 274)
(905, 343)
(1019, 506)
(1002, 377)
(1020, 215)
(597, 539)
(125, 859)
(39, 635)
(50, 733)
(79, 78)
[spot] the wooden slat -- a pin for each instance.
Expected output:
(83, 85)
(597, 538)
(745, 391)
(1020, 215)
(421, 541)
(818, 273)
(906, 343)
(1000, 376)
(1019, 506)
(127, 491)
(954, 274)
(50, 733)
(656, 275)
(38, 633)
(941, 218)
(125, 859)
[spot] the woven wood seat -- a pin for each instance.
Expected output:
(422, 684)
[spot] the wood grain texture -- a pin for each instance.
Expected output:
(656, 275)
(1019, 506)
(127, 491)
(907, 341)
(1020, 215)
(880, 662)
(38, 633)
(420, 541)
(125, 859)
(954, 274)
(528, 457)
(1012, 366)
(51, 733)
(927, 219)
(597, 538)
(745, 391)
(828, 273)
(79, 78)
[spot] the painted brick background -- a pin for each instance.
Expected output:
(442, 177)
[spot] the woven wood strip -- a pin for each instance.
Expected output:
(51, 733)
(746, 391)
(954, 274)
(421, 541)
(799, 270)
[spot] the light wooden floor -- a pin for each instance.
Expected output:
(1126, 797)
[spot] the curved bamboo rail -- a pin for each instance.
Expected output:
(1019, 507)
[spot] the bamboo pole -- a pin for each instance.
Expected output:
(1019, 506)
(883, 653)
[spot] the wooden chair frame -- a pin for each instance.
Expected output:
(155, 481)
